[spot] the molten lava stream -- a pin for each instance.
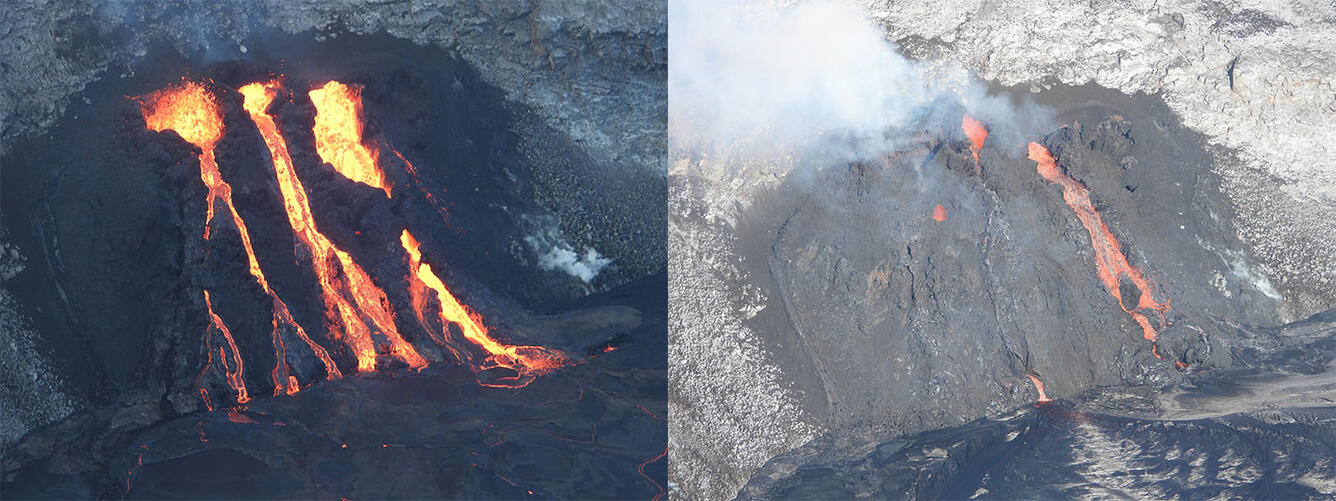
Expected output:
(338, 134)
(340, 143)
(191, 111)
(527, 361)
(977, 134)
(349, 294)
(234, 370)
(1039, 386)
(1110, 263)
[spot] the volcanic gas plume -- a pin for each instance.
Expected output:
(358, 313)
(1110, 263)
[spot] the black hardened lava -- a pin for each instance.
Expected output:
(117, 212)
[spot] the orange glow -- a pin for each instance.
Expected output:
(1110, 263)
(939, 214)
(412, 171)
(528, 361)
(229, 356)
(191, 111)
(338, 134)
(349, 294)
(977, 133)
(1039, 385)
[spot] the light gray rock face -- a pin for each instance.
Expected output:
(578, 63)
(1244, 207)
(30, 393)
(730, 408)
(1256, 80)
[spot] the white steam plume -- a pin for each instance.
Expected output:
(817, 74)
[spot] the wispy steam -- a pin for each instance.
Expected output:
(812, 75)
(556, 254)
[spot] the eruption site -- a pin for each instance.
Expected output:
(358, 313)
(1110, 263)
(193, 113)
(977, 134)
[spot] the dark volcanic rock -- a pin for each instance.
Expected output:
(113, 217)
(886, 321)
(1244, 434)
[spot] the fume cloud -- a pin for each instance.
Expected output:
(811, 75)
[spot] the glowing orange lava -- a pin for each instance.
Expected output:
(528, 361)
(1110, 263)
(977, 133)
(358, 311)
(1039, 385)
(338, 134)
(234, 368)
(191, 111)
(350, 296)
(939, 214)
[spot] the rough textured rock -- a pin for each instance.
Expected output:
(575, 93)
(596, 430)
(1256, 432)
(1255, 80)
(595, 71)
(30, 392)
(871, 315)
(1212, 190)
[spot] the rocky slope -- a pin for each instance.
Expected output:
(855, 305)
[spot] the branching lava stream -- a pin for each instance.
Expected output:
(351, 298)
(1110, 263)
(193, 113)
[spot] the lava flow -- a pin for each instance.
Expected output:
(977, 134)
(340, 143)
(350, 297)
(1110, 262)
(193, 113)
(527, 361)
(939, 213)
(338, 134)
(234, 370)
(1039, 385)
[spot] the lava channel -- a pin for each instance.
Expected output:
(977, 134)
(338, 134)
(1039, 386)
(340, 141)
(1110, 263)
(191, 111)
(526, 361)
(351, 299)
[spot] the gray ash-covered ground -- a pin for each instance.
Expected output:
(873, 320)
(1268, 431)
(109, 216)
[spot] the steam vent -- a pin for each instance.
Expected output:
(358, 252)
